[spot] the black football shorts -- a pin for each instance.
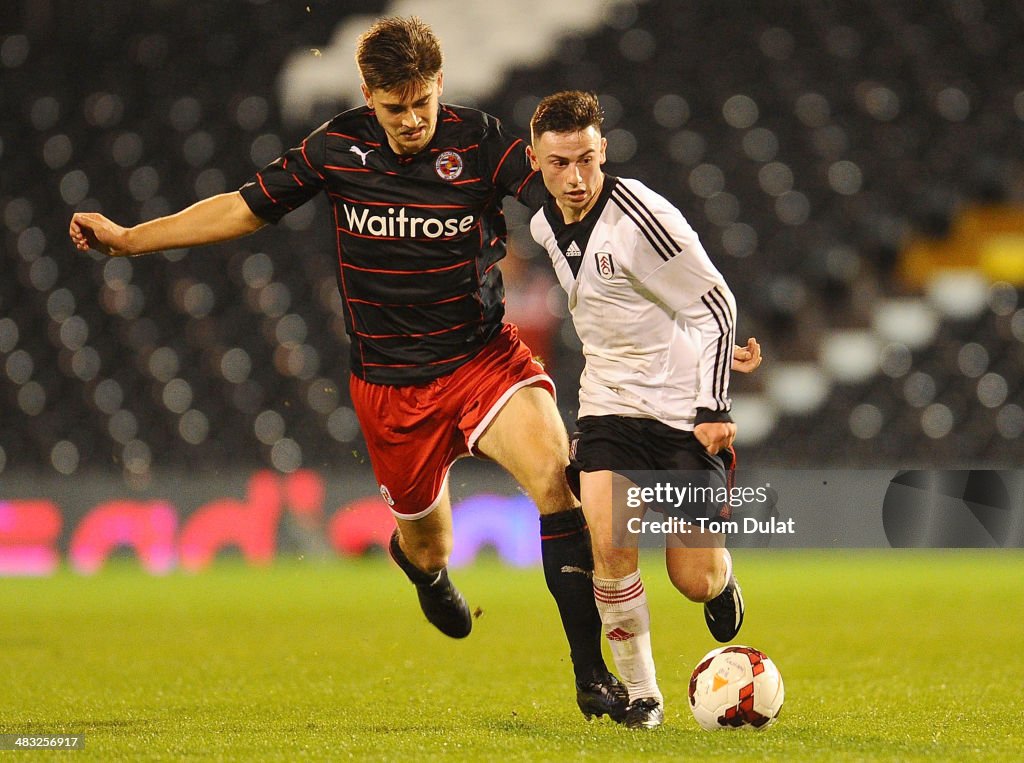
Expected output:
(624, 444)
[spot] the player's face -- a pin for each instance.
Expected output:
(570, 163)
(409, 119)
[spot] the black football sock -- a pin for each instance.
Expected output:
(568, 567)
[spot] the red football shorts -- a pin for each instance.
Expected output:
(415, 433)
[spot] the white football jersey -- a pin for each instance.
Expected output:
(656, 318)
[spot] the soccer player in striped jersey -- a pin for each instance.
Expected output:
(656, 320)
(416, 187)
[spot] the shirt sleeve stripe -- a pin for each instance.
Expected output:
(719, 308)
(305, 158)
(651, 218)
(494, 177)
(653, 231)
(657, 245)
(522, 185)
(259, 177)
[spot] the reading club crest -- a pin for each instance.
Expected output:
(448, 165)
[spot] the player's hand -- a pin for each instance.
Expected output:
(91, 230)
(715, 435)
(746, 359)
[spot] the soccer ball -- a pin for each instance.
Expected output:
(736, 687)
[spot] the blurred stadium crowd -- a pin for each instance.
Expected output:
(811, 145)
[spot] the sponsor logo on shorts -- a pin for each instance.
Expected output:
(448, 165)
(386, 495)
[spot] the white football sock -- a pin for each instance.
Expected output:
(626, 620)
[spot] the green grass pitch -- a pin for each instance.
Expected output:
(885, 655)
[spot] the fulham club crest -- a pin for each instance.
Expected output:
(386, 495)
(605, 265)
(448, 165)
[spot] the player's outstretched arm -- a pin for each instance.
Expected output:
(218, 218)
(748, 358)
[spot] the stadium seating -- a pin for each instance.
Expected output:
(807, 144)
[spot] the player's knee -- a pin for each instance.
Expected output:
(547, 485)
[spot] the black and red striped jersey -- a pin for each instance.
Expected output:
(418, 237)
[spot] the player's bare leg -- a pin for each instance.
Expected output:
(427, 542)
(700, 567)
(420, 547)
(527, 437)
(622, 603)
(699, 573)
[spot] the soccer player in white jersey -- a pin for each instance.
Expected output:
(657, 322)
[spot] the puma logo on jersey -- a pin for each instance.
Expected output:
(362, 154)
(573, 250)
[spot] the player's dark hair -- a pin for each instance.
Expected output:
(567, 111)
(398, 53)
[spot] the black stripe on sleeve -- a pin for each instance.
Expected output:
(716, 303)
(647, 222)
(656, 245)
(651, 217)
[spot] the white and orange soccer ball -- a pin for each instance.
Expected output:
(736, 687)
